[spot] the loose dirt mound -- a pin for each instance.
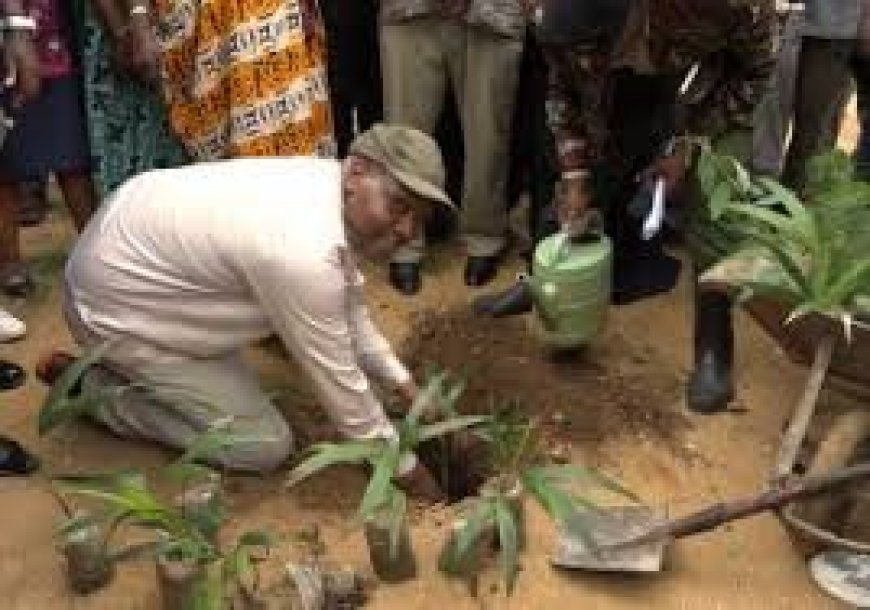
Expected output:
(610, 390)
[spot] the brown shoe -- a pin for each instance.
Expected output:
(50, 367)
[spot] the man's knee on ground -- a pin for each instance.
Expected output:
(267, 450)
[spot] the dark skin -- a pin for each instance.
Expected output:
(24, 77)
(134, 46)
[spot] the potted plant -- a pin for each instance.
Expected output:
(495, 517)
(383, 506)
(811, 256)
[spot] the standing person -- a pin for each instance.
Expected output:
(182, 277)
(128, 127)
(475, 46)
(245, 79)
(829, 59)
(48, 133)
(612, 64)
(353, 65)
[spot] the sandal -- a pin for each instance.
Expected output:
(11, 375)
(15, 460)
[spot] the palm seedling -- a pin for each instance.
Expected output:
(495, 515)
(383, 505)
(813, 256)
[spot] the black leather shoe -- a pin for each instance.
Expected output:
(711, 386)
(17, 283)
(14, 459)
(516, 300)
(480, 270)
(11, 375)
(405, 277)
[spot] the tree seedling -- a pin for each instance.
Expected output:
(495, 515)
(383, 506)
(814, 255)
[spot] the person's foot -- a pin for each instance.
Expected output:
(15, 460)
(50, 367)
(11, 328)
(710, 386)
(405, 277)
(480, 270)
(516, 300)
(643, 278)
(844, 575)
(11, 375)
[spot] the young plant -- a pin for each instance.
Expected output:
(814, 255)
(496, 513)
(381, 496)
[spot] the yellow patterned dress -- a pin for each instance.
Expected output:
(246, 77)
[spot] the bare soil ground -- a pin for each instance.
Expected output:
(619, 407)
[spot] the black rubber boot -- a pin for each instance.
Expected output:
(711, 386)
(517, 299)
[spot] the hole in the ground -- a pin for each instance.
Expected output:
(459, 461)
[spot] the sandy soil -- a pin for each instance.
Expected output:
(681, 465)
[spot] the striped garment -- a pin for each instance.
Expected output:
(246, 77)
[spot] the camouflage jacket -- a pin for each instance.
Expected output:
(732, 41)
(504, 17)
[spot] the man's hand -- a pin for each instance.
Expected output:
(672, 168)
(420, 483)
(23, 68)
(572, 203)
(408, 391)
(137, 51)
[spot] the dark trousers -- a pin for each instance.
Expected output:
(353, 66)
(824, 75)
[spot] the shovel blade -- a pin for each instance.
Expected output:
(609, 527)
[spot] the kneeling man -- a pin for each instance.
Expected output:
(182, 268)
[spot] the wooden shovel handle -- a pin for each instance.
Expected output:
(712, 517)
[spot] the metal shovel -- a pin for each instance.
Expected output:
(635, 538)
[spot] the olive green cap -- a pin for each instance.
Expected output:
(408, 155)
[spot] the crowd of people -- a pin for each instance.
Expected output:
(193, 122)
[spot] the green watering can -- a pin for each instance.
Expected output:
(570, 281)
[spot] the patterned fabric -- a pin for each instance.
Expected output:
(127, 125)
(245, 77)
(505, 17)
(52, 39)
(732, 40)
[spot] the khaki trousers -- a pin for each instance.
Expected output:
(172, 399)
(420, 58)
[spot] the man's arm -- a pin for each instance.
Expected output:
(304, 300)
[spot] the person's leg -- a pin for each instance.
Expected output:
(144, 392)
(415, 79)
(774, 114)
(821, 92)
(486, 84)
(79, 195)
(369, 81)
(339, 66)
(711, 386)
(14, 279)
(861, 67)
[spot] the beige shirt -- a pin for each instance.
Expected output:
(202, 260)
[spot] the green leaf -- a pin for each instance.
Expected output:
(325, 455)
(509, 542)
(256, 538)
(566, 472)
(458, 555)
(428, 395)
(60, 406)
(377, 493)
(398, 506)
(135, 551)
(442, 428)
(719, 200)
